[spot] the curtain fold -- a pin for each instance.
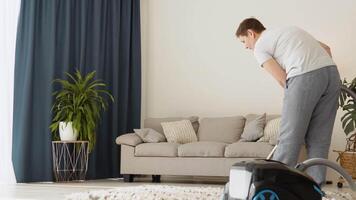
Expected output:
(61, 36)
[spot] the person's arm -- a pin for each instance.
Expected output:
(326, 47)
(273, 67)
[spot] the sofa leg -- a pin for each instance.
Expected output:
(128, 177)
(156, 178)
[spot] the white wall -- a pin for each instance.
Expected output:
(193, 64)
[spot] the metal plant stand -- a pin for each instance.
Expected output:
(70, 160)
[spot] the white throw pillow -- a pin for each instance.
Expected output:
(179, 131)
(271, 132)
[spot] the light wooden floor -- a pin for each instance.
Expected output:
(57, 191)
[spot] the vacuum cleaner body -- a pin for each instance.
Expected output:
(268, 179)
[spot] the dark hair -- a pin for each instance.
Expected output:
(249, 23)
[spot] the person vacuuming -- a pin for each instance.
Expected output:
(303, 66)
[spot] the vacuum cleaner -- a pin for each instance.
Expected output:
(264, 179)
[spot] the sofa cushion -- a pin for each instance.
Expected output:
(253, 129)
(202, 149)
(179, 131)
(130, 139)
(223, 129)
(248, 150)
(162, 149)
(150, 135)
(155, 123)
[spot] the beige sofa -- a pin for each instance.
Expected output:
(216, 150)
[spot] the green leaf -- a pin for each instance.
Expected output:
(346, 121)
(349, 128)
(71, 77)
(349, 107)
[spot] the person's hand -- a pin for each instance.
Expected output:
(278, 73)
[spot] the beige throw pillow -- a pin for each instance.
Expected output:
(149, 135)
(130, 139)
(155, 123)
(271, 132)
(179, 131)
(253, 129)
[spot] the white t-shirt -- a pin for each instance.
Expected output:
(293, 48)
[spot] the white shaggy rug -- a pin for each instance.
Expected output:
(169, 192)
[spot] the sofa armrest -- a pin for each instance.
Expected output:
(131, 139)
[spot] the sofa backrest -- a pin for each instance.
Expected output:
(218, 129)
(155, 123)
(269, 117)
(221, 129)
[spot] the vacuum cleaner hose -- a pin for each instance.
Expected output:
(320, 161)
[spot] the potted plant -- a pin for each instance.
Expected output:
(347, 102)
(77, 107)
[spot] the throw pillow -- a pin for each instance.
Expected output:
(179, 131)
(254, 129)
(149, 135)
(130, 139)
(271, 132)
(155, 123)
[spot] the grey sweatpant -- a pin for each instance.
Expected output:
(308, 115)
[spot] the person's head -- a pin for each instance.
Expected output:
(249, 31)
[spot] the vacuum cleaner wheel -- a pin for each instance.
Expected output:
(266, 194)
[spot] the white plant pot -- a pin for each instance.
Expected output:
(66, 132)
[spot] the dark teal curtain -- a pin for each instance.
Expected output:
(57, 36)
